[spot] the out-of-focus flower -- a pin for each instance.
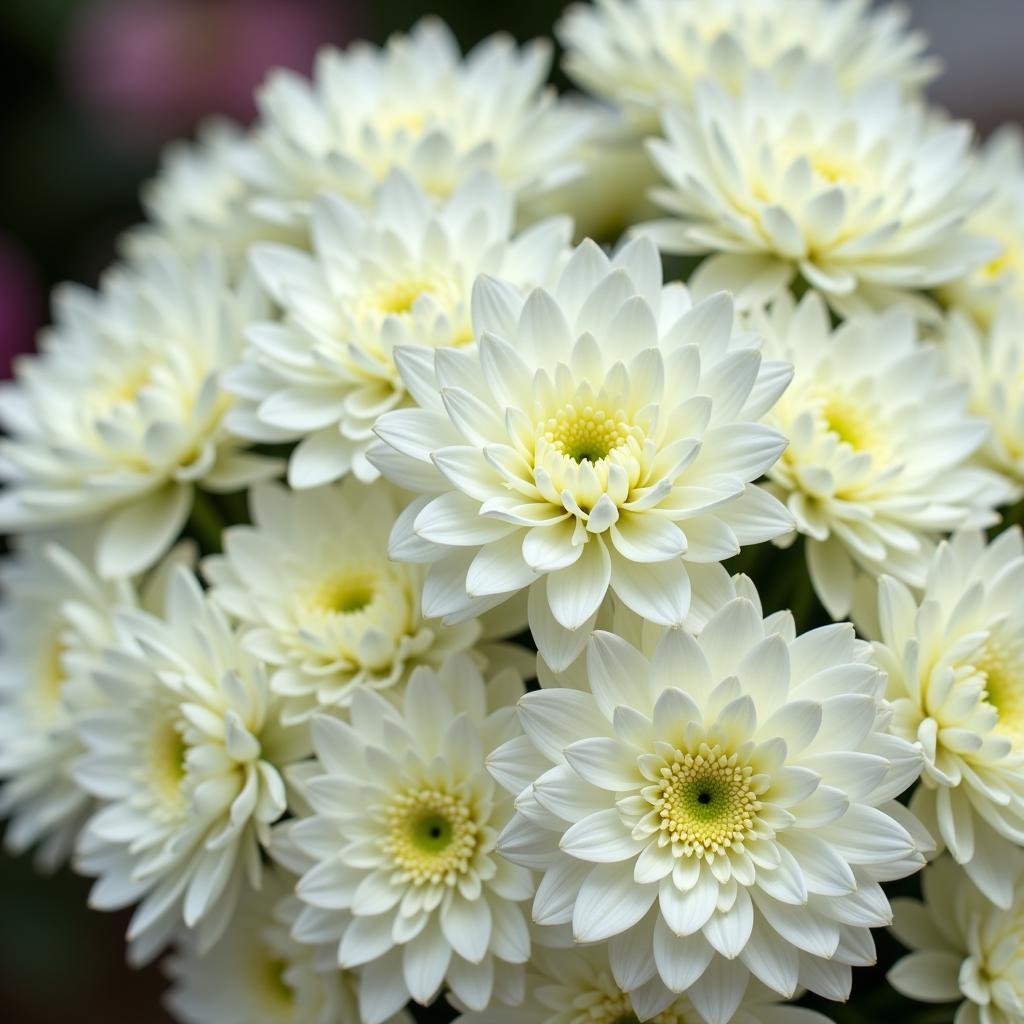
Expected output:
(862, 196)
(1000, 169)
(964, 948)
(418, 105)
(602, 435)
(955, 661)
(407, 882)
(154, 68)
(186, 761)
(644, 55)
(394, 280)
(724, 808)
(880, 444)
(21, 304)
(121, 413)
(320, 601)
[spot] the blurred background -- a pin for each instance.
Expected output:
(94, 89)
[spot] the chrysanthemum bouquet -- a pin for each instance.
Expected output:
(435, 544)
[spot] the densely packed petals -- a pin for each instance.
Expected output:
(185, 759)
(398, 275)
(721, 809)
(955, 662)
(879, 462)
(120, 416)
(861, 197)
(602, 435)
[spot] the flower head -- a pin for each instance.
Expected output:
(185, 760)
(648, 54)
(121, 414)
(416, 105)
(727, 803)
(955, 662)
(879, 457)
(963, 947)
(603, 435)
(405, 819)
(399, 274)
(321, 603)
(864, 197)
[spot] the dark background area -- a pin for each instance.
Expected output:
(92, 90)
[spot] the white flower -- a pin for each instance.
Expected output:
(722, 809)
(186, 762)
(862, 196)
(648, 54)
(878, 462)
(199, 201)
(398, 274)
(407, 881)
(320, 601)
(964, 948)
(991, 364)
(258, 974)
(602, 435)
(55, 620)
(120, 415)
(955, 660)
(1000, 169)
(416, 105)
(578, 987)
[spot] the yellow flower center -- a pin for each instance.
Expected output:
(345, 593)
(52, 677)
(609, 1005)
(431, 836)
(850, 424)
(587, 434)
(167, 763)
(274, 984)
(1004, 686)
(706, 802)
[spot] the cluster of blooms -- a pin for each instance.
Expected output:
(365, 623)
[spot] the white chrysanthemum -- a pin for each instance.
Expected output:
(720, 810)
(578, 987)
(55, 620)
(648, 54)
(120, 415)
(864, 197)
(320, 601)
(199, 201)
(405, 819)
(964, 947)
(991, 364)
(602, 435)
(258, 974)
(878, 462)
(417, 105)
(186, 762)
(398, 275)
(955, 661)
(999, 168)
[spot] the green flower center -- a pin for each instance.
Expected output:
(585, 435)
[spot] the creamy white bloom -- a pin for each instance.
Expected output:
(964, 948)
(1000, 169)
(879, 461)
(578, 987)
(602, 435)
(645, 55)
(54, 621)
(185, 760)
(864, 197)
(398, 274)
(990, 362)
(955, 661)
(320, 602)
(407, 882)
(121, 413)
(199, 201)
(418, 105)
(721, 809)
(258, 974)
